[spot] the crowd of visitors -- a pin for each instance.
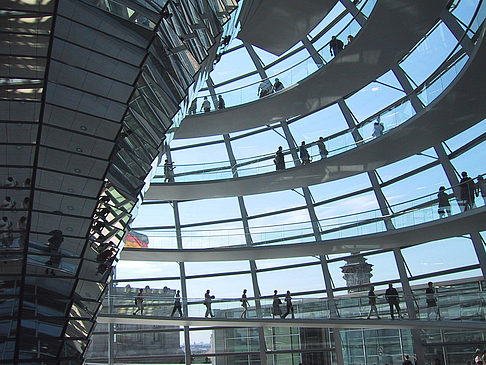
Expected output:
(9, 223)
(391, 296)
(467, 192)
(266, 87)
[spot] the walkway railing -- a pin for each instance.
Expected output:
(458, 306)
(408, 213)
(294, 73)
(390, 117)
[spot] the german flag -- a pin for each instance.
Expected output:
(136, 240)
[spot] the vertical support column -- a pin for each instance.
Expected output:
(290, 142)
(456, 29)
(380, 197)
(256, 60)
(402, 271)
(182, 273)
(348, 116)
(317, 236)
(407, 87)
(360, 18)
(454, 181)
(214, 98)
(249, 242)
(111, 326)
(313, 52)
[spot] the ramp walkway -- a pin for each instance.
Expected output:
(393, 28)
(288, 323)
(459, 107)
(277, 26)
(453, 226)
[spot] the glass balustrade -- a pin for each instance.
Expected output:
(391, 117)
(404, 214)
(451, 306)
(291, 75)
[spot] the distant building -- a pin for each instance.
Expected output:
(357, 272)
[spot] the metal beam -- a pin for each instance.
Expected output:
(249, 242)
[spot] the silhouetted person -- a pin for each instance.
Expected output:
(444, 205)
(467, 191)
(206, 105)
(372, 302)
(25, 203)
(26, 183)
(11, 182)
(54, 243)
(480, 188)
(335, 46)
(289, 307)
(304, 154)
(431, 300)
(378, 129)
(276, 311)
(8, 203)
(139, 302)
(279, 159)
(265, 88)
(193, 107)
(277, 86)
(177, 304)
(221, 104)
(407, 361)
(6, 231)
(208, 299)
(244, 304)
(168, 171)
(322, 148)
(391, 296)
(350, 39)
(22, 227)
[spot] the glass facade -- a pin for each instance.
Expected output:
(88, 90)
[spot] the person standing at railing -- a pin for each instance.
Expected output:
(206, 105)
(193, 107)
(208, 299)
(265, 88)
(391, 296)
(277, 86)
(431, 300)
(139, 302)
(244, 304)
(6, 231)
(372, 302)
(279, 159)
(406, 360)
(322, 148)
(304, 154)
(444, 205)
(378, 129)
(168, 171)
(350, 39)
(221, 104)
(335, 46)
(480, 188)
(276, 311)
(289, 306)
(177, 304)
(467, 192)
